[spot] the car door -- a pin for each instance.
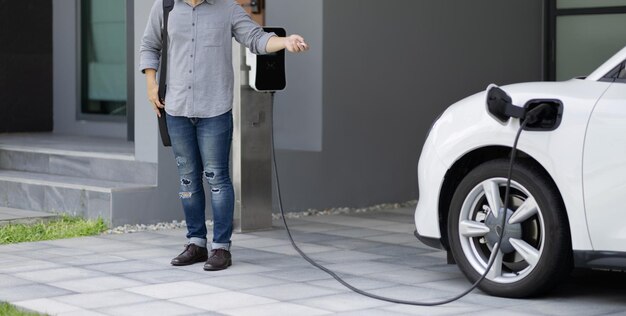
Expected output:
(604, 167)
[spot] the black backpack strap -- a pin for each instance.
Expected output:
(168, 5)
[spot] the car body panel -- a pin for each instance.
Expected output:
(467, 126)
(604, 170)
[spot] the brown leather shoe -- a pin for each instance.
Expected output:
(219, 259)
(192, 254)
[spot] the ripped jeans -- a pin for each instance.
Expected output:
(202, 150)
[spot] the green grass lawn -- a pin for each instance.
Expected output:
(10, 310)
(65, 227)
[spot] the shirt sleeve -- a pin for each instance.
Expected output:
(248, 32)
(152, 41)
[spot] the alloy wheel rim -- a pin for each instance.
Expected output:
(524, 250)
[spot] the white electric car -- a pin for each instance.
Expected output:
(568, 185)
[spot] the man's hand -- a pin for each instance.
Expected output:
(292, 43)
(153, 91)
(295, 44)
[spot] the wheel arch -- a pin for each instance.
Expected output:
(471, 160)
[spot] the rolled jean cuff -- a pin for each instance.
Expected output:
(200, 242)
(216, 245)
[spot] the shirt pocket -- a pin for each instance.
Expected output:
(212, 36)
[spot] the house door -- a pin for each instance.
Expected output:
(26, 66)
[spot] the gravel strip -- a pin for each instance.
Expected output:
(129, 229)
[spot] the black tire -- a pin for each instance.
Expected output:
(547, 231)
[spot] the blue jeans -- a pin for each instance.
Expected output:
(202, 150)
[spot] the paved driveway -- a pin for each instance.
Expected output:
(130, 275)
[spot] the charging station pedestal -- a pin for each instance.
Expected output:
(252, 132)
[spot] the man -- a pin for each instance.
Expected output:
(198, 107)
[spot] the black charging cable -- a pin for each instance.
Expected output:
(530, 117)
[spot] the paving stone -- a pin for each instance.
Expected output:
(26, 246)
(97, 284)
(222, 301)
(342, 302)
(291, 291)
(397, 250)
(102, 299)
(262, 242)
(175, 289)
(30, 292)
(299, 275)
(56, 275)
(371, 312)
(454, 308)
(398, 228)
(343, 256)
(26, 265)
(285, 262)
(240, 281)
(163, 241)
(246, 254)
(46, 306)
(49, 253)
(414, 293)
(238, 267)
(276, 309)
(9, 257)
(126, 267)
(574, 306)
(144, 253)
(86, 260)
(133, 237)
(8, 281)
(353, 244)
(307, 248)
(411, 276)
(394, 238)
(364, 267)
(165, 276)
(501, 312)
(358, 282)
(95, 244)
(356, 232)
(81, 312)
(153, 309)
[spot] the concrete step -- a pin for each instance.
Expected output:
(15, 216)
(80, 196)
(82, 163)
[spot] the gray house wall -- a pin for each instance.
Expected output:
(389, 69)
(298, 109)
(358, 106)
(66, 77)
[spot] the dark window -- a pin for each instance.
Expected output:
(581, 35)
(103, 57)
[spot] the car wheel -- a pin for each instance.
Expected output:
(536, 249)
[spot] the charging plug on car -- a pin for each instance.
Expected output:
(539, 114)
(543, 115)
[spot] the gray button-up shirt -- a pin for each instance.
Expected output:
(200, 71)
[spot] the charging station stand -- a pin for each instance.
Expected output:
(252, 132)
